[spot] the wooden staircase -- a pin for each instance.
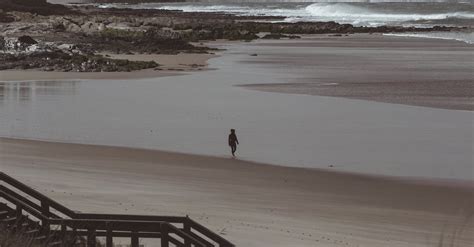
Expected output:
(19, 227)
(38, 219)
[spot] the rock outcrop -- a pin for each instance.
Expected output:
(41, 7)
(55, 37)
(61, 61)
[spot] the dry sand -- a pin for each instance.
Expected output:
(169, 65)
(250, 204)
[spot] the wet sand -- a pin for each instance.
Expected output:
(169, 65)
(250, 204)
(193, 113)
(401, 70)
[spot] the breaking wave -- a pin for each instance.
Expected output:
(367, 14)
(344, 11)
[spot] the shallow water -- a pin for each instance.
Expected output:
(193, 113)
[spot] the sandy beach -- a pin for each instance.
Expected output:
(355, 120)
(250, 204)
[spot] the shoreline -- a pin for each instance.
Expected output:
(423, 181)
(176, 114)
(249, 203)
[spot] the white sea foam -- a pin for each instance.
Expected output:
(463, 37)
(350, 12)
(373, 13)
(339, 12)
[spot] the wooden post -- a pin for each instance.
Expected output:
(45, 208)
(164, 235)
(19, 211)
(91, 241)
(134, 239)
(74, 236)
(63, 235)
(45, 212)
(109, 242)
(63, 229)
(187, 229)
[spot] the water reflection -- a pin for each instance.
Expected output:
(31, 90)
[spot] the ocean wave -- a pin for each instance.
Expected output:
(346, 11)
(366, 14)
(237, 9)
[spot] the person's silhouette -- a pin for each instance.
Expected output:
(233, 141)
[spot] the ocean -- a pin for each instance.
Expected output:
(359, 13)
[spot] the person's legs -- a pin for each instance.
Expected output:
(233, 148)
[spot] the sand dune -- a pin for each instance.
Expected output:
(250, 204)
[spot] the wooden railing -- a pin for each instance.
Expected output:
(53, 216)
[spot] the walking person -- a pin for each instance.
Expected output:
(233, 141)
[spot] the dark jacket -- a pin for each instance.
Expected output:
(233, 139)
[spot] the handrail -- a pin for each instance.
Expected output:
(173, 219)
(24, 200)
(21, 205)
(31, 192)
(125, 225)
(96, 221)
(208, 233)
(117, 225)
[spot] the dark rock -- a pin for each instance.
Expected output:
(274, 36)
(280, 36)
(60, 61)
(59, 27)
(31, 2)
(2, 43)
(27, 40)
(151, 41)
(6, 18)
(41, 7)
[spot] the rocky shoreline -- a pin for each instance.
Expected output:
(39, 35)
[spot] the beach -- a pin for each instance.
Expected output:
(193, 112)
(348, 136)
(251, 204)
(340, 195)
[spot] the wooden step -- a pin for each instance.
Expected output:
(20, 227)
(33, 231)
(9, 221)
(54, 244)
(40, 238)
(4, 214)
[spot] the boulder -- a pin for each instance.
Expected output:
(279, 36)
(27, 40)
(3, 43)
